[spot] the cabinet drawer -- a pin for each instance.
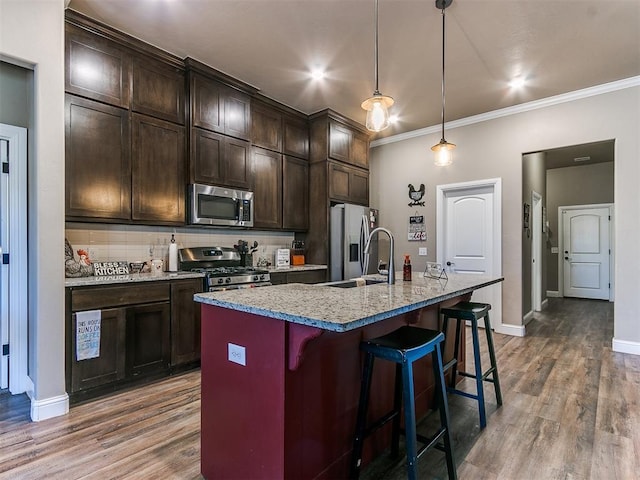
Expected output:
(104, 297)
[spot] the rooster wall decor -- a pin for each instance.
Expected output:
(416, 195)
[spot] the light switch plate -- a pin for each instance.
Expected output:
(237, 354)
(554, 249)
(422, 251)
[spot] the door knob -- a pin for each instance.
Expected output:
(450, 263)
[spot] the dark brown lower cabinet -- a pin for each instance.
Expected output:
(303, 276)
(148, 347)
(147, 330)
(185, 322)
(109, 366)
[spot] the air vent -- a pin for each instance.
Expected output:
(582, 159)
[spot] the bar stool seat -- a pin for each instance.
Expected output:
(404, 346)
(473, 312)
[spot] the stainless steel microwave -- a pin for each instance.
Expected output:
(211, 205)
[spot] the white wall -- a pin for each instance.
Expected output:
(32, 34)
(494, 148)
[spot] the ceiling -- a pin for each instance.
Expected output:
(557, 46)
(578, 155)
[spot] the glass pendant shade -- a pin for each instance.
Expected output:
(443, 153)
(377, 108)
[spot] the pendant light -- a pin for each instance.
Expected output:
(377, 106)
(443, 150)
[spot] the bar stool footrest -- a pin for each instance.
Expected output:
(380, 423)
(429, 442)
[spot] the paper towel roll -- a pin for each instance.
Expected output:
(173, 255)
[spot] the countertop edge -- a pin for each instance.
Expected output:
(347, 326)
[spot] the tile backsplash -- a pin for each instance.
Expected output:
(107, 243)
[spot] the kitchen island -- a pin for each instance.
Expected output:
(281, 371)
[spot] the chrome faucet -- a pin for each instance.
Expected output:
(391, 273)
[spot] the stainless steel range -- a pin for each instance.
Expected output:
(222, 267)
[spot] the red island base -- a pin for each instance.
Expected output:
(289, 411)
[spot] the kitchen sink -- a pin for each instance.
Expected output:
(351, 283)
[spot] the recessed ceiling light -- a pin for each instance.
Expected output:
(517, 82)
(318, 74)
(582, 159)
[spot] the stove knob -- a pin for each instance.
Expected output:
(256, 278)
(220, 280)
(262, 277)
(228, 279)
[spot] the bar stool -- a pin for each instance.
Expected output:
(473, 312)
(404, 346)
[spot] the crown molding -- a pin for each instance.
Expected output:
(514, 110)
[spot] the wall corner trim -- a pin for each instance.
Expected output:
(513, 330)
(49, 407)
(624, 346)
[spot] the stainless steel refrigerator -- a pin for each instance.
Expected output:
(350, 227)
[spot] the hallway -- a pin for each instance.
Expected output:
(571, 411)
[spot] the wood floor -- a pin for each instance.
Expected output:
(571, 411)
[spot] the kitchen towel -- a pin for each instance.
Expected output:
(88, 325)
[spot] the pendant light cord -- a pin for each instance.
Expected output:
(443, 23)
(376, 92)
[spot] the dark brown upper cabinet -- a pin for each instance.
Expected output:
(96, 68)
(295, 137)
(295, 193)
(158, 90)
(266, 127)
(348, 145)
(157, 176)
(219, 108)
(220, 160)
(267, 188)
(97, 160)
(348, 184)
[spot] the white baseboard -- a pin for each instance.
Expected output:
(49, 407)
(624, 346)
(544, 304)
(513, 330)
(528, 317)
(553, 294)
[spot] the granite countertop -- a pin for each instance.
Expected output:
(296, 268)
(131, 278)
(343, 309)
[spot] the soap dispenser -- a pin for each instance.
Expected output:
(406, 269)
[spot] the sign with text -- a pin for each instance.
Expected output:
(417, 229)
(88, 334)
(110, 268)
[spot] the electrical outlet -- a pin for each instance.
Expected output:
(422, 251)
(237, 354)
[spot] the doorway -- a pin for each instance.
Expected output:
(13, 266)
(469, 235)
(584, 264)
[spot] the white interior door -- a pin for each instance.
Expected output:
(13, 242)
(586, 252)
(536, 252)
(469, 235)
(4, 269)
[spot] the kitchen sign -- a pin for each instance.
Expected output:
(417, 229)
(110, 268)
